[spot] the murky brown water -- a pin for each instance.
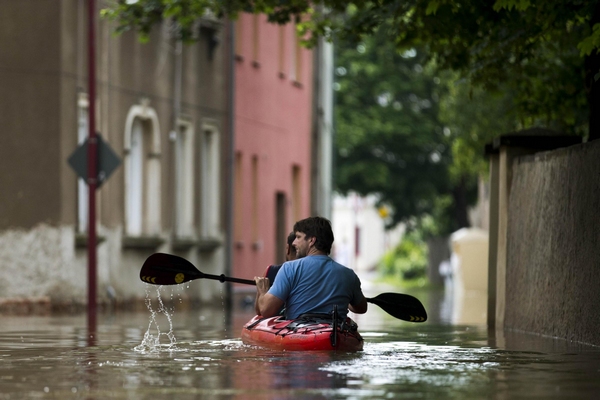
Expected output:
(202, 357)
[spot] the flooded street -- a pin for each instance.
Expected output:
(199, 355)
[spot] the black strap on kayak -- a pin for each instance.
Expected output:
(333, 336)
(309, 321)
(316, 317)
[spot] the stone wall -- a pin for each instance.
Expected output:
(553, 248)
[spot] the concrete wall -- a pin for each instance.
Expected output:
(553, 244)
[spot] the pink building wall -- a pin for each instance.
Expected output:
(272, 125)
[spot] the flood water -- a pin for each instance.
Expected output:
(198, 354)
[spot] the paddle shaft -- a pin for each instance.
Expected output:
(223, 278)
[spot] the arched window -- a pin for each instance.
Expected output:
(142, 172)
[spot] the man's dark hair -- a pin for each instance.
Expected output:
(320, 229)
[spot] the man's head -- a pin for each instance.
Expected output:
(318, 228)
(290, 250)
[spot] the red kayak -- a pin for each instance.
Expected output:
(308, 332)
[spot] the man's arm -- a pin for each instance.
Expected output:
(266, 304)
(360, 307)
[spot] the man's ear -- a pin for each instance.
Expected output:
(312, 241)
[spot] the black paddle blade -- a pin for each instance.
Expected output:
(167, 269)
(401, 306)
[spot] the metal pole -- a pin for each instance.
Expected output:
(230, 161)
(92, 172)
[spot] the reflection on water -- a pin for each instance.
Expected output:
(48, 357)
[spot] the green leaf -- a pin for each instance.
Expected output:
(591, 42)
(432, 7)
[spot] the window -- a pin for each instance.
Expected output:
(255, 200)
(238, 200)
(296, 64)
(135, 175)
(142, 172)
(298, 60)
(184, 180)
(82, 188)
(210, 210)
(296, 193)
(239, 37)
(255, 40)
(281, 60)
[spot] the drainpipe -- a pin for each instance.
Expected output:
(230, 164)
(177, 81)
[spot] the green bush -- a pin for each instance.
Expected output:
(407, 261)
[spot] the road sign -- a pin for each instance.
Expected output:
(108, 161)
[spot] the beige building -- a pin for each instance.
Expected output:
(161, 106)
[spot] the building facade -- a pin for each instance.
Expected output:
(161, 106)
(273, 144)
(361, 237)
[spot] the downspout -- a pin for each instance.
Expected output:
(230, 165)
(322, 135)
(175, 133)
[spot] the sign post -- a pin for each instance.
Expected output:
(93, 161)
(91, 173)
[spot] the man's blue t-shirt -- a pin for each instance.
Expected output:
(314, 284)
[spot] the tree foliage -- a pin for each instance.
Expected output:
(388, 137)
(407, 132)
(474, 117)
(412, 133)
(407, 261)
(544, 52)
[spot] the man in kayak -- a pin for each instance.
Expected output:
(314, 282)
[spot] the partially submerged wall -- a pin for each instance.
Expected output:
(40, 269)
(553, 250)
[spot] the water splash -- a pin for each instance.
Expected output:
(151, 342)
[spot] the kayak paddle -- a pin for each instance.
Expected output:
(168, 269)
